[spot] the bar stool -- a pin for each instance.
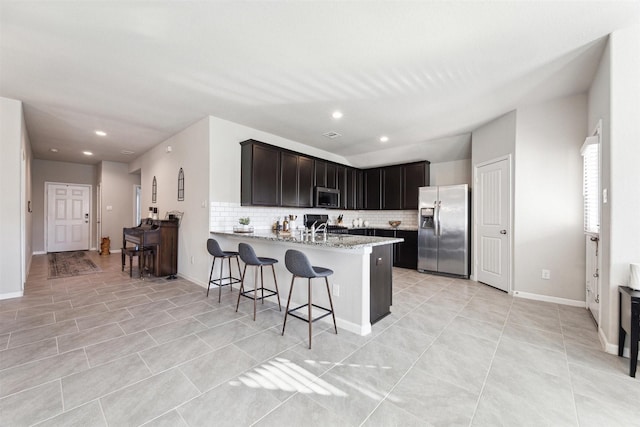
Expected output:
(248, 256)
(298, 264)
(214, 250)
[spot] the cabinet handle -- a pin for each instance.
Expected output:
(378, 261)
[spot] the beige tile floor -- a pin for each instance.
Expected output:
(104, 349)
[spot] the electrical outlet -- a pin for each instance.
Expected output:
(336, 290)
(546, 274)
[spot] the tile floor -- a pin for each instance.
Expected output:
(104, 349)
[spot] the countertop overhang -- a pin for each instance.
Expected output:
(340, 241)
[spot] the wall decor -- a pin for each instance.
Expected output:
(154, 190)
(181, 185)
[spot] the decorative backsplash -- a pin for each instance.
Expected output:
(225, 215)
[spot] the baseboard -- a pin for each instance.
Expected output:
(39, 252)
(546, 298)
(11, 295)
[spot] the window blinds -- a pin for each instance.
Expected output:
(591, 184)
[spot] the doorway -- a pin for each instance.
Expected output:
(493, 223)
(68, 220)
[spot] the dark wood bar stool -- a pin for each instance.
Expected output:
(216, 252)
(248, 256)
(298, 264)
(145, 256)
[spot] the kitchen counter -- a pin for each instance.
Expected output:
(388, 227)
(341, 241)
(355, 260)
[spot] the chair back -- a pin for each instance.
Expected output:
(247, 254)
(298, 264)
(214, 248)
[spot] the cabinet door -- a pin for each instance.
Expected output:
(372, 187)
(264, 171)
(341, 182)
(359, 189)
(407, 251)
(415, 175)
(320, 173)
(305, 182)
(289, 179)
(392, 187)
(332, 175)
(380, 282)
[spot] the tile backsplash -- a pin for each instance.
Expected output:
(225, 215)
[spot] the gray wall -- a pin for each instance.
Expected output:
(63, 172)
(117, 187)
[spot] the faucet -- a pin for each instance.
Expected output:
(315, 229)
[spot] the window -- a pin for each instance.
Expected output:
(591, 184)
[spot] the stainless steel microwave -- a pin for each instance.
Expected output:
(327, 198)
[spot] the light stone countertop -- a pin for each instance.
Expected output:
(387, 227)
(341, 241)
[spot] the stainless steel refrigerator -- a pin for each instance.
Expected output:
(443, 230)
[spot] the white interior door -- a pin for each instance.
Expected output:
(67, 217)
(493, 200)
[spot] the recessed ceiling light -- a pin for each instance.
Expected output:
(384, 138)
(127, 152)
(101, 133)
(53, 150)
(87, 153)
(337, 114)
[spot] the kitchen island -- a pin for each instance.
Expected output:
(361, 284)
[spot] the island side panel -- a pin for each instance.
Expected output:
(351, 273)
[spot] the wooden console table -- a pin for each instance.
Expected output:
(629, 323)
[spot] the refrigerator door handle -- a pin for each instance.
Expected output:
(436, 222)
(439, 207)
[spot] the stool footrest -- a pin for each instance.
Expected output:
(328, 312)
(249, 293)
(230, 281)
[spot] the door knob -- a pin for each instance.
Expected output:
(503, 231)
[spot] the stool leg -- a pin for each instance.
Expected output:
(244, 273)
(262, 283)
(310, 318)
(238, 262)
(273, 270)
(230, 280)
(220, 281)
(255, 291)
(286, 311)
(123, 255)
(211, 275)
(130, 265)
(331, 304)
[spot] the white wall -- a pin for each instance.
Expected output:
(615, 97)
(70, 173)
(12, 213)
(117, 192)
(548, 199)
(495, 139)
(451, 173)
(190, 151)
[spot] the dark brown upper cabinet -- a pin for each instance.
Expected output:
(415, 175)
(260, 174)
(296, 180)
(392, 187)
(274, 176)
(372, 188)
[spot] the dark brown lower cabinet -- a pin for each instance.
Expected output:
(380, 282)
(406, 255)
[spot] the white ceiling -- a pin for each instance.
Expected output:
(423, 73)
